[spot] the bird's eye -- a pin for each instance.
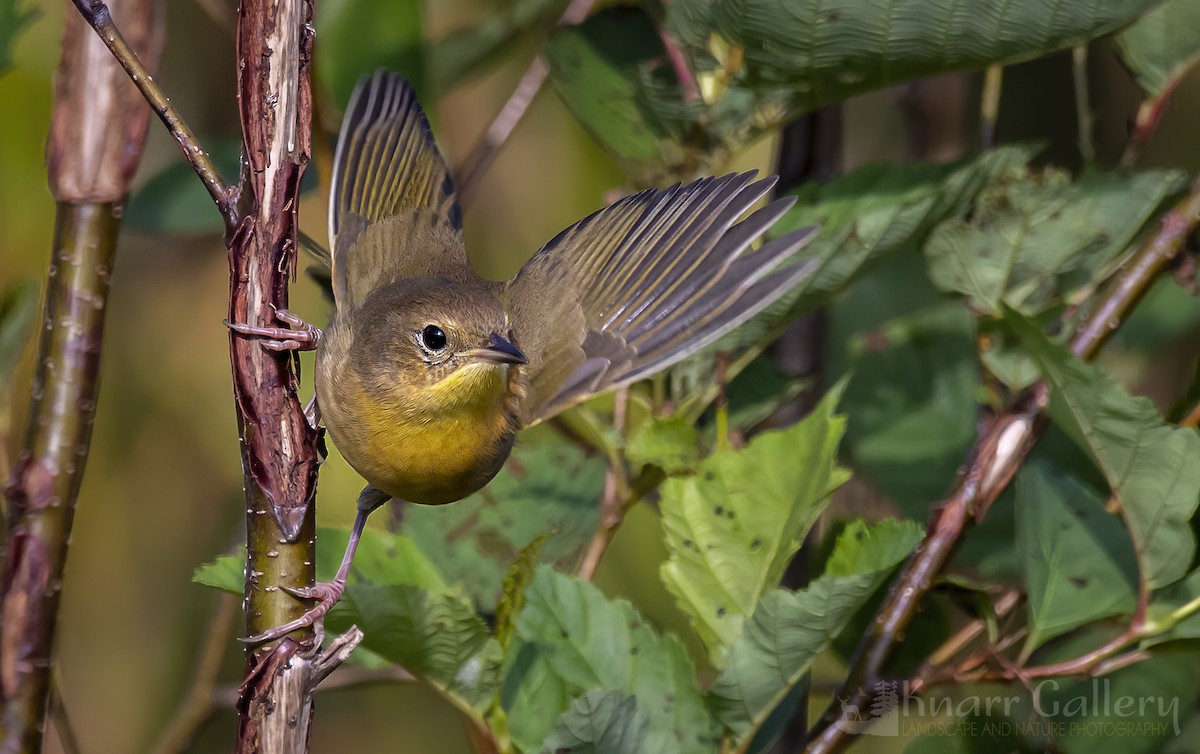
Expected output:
(433, 338)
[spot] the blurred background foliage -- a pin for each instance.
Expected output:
(162, 493)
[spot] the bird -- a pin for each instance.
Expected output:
(426, 371)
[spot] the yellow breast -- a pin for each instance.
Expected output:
(429, 444)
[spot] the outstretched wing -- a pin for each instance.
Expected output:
(393, 212)
(644, 283)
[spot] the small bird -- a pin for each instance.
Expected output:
(426, 371)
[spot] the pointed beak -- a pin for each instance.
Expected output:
(500, 351)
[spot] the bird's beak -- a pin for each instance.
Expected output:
(500, 351)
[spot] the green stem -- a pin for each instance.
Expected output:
(44, 484)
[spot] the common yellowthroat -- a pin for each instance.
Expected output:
(426, 371)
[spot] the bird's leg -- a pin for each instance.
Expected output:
(297, 336)
(328, 593)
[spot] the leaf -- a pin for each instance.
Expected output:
(434, 635)
(512, 596)
(1025, 236)
(18, 309)
(1174, 613)
(1162, 46)
(592, 643)
(784, 58)
(1077, 560)
(466, 51)
(610, 72)
(789, 629)
(358, 36)
(600, 723)
(1150, 466)
(225, 573)
(759, 390)
(13, 20)
(670, 444)
(542, 489)
(911, 403)
(732, 527)
(532, 695)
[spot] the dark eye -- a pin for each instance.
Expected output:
(433, 338)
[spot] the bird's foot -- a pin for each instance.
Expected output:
(326, 594)
(297, 336)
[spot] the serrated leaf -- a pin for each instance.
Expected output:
(358, 36)
(550, 488)
(1150, 466)
(18, 308)
(732, 527)
(592, 643)
(1030, 240)
(609, 71)
(225, 573)
(435, 636)
(1163, 45)
(670, 444)
(512, 595)
(789, 629)
(791, 58)
(13, 20)
(1077, 559)
(466, 51)
(600, 723)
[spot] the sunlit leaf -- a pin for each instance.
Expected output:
(1077, 559)
(789, 629)
(600, 723)
(1150, 465)
(593, 643)
(1035, 237)
(543, 489)
(670, 444)
(781, 58)
(1163, 45)
(733, 526)
(611, 71)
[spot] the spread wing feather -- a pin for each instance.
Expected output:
(393, 212)
(645, 283)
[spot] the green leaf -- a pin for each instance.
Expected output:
(18, 309)
(610, 72)
(732, 528)
(911, 404)
(592, 643)
(512, 596)
(789, 629)
(175, 202)
(600, 723)
(1031, 239)
(13, 20)
(467, 51)
(1077, 559)
(435, 636)
(798, 57)
(225, 573)
(533, 695)
(550, 488)
(758, 391)
(1163, 45)
(670, 444)
(357, 36)
(1174, 612)
(1150, 466)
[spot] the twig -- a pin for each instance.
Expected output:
(197, 708)
(989, 105)
(1000, 453)
(97, 14)
(1149, 115)
(485, 152)
(67, 740)
(96, 137)
(616, 499)
(1083, 106)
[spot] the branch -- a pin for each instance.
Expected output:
(485, 152)
(999, 455)
(97, 14)
(96, 138)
